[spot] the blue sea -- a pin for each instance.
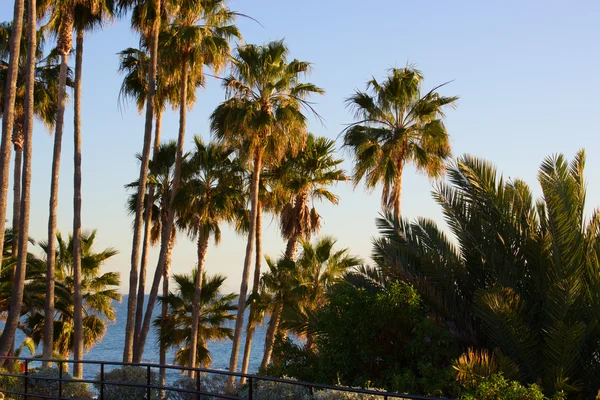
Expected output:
(111, 347)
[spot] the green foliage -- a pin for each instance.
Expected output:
(267, 390)
(126, 374)
(9, 383)
(49, 387)
(497, 387)
(367, 338)
(212, 384)
(524, 277)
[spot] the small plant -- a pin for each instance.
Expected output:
(116, 387)
(498, 387)
(8, 383)
(44, 381)
(267, 390)
(339, 395)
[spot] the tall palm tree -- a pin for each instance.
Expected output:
(212, 195)
(60, 24)
(397, 125)
(16, 301)
(521, 277)
(8, 116)
(45, 102)
(198, 37)
(147, 19)
(86, 17)
(264, 116)
(305, 178)
(161, 175)
(99, 291)
(215, 310)
(135, 64)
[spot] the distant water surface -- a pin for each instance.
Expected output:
(111, 347)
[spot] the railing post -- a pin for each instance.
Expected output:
(60, 379)
(250, 388)
(26, 384)
(148, 391)
(197, 385)
(101, 381)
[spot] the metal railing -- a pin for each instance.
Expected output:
(252, 382)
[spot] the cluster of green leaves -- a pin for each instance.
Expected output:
(522, 278)
(497, 387)
(380, 338)
(44, 382)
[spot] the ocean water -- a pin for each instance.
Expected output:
(111, 347)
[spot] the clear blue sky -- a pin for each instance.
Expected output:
(526, 73)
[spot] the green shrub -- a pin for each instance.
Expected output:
(127, 374)
(497, 387)
(338, 395)
(267, 390)
(37, 385)
(9, 383)
(211, 384)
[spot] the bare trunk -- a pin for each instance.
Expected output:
(239, 322)
(77, 295)
(292, 247)
(398, 195)
(7, 130)
(139, 314)
(164, 314)
(64, 47)
(7, 339)
(271, 332)
(202, 248)
(137, 225)
(165, 242)
(18, 168)
(250, 326)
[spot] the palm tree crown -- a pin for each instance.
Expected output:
(397, 125)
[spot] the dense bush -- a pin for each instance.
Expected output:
(497, 387)
(267, 390)
(374, 338)
(128, 374)
(211, 384)
(38, 385)
(9, 383)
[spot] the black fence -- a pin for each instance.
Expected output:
(150, 390)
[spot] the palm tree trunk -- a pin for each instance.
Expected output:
(18, 168)
(77, 295)
(7, 339)
(250, 327)
(292, 247)
(164, 314)
(202, 248)
(65, 43)
(137, 225)
(271, 332)
(139, 314)
(165, 242)
(398, 196)
(7, 129)
(239, 322)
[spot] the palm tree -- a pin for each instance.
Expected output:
(60, 24)
(135, 64)
(396, 126)
(8, 119)
(212, 195)
(522, 276)
(87, 17)
(7, 338)
(321, 266)
(215, 310)
(147, 19)
(305, 178)
(161, 175)
(16, 301)
(198, 37)
(281, 283)
(264, 116)
(99, 291)
(45, 103)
